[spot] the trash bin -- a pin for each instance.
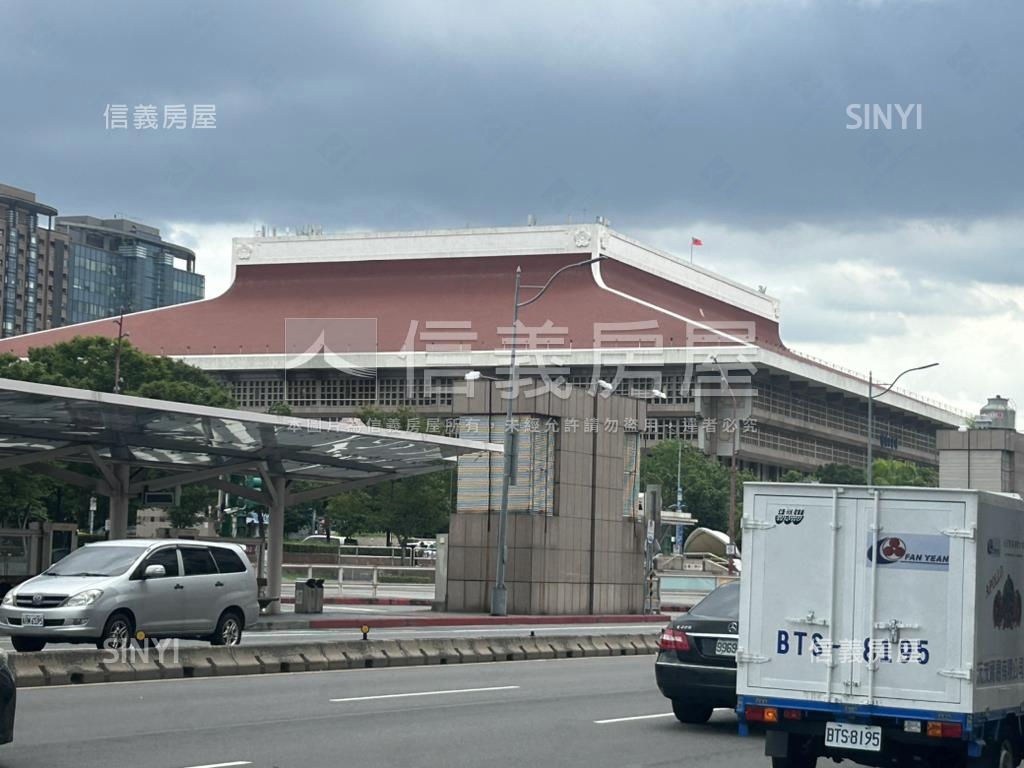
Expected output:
(309, 596)
(317, 592)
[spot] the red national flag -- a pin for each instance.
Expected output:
(696, 241)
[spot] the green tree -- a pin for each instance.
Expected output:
(195, 500)
(896, 472)
(705, 481)
(23, 496)
(840, 474)
(417, 506)
(354, 512)
(87, 362)
(794, 476)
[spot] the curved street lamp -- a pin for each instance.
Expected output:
(871, 411)
(499, 593)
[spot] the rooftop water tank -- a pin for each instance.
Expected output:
(999, 413)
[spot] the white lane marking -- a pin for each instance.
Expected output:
(628, 719)
(222, 765)
(426, 693)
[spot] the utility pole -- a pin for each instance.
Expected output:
(117, 352)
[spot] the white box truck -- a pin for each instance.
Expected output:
(882, 625)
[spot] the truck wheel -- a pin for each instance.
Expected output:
(691, 711)
(798, 754)
(796, 761)
(997, 754)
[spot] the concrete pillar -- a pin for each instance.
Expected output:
(119, 503)
(275, 543)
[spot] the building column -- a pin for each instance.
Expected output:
(119, 503)
(275, 543)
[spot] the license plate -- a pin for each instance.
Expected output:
(867, 738)
(32, 620)
(725, 647)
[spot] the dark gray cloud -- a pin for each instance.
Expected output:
(431, 114)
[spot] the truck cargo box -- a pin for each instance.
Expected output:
(863, 601)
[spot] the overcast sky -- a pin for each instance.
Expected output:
(726, 120)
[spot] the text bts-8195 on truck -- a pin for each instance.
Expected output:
(882, 625)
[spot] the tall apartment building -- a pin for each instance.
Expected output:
(121, 264)
(33, 265)
(61, 270)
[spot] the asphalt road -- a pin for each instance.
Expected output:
(285, 637)
(588, 713)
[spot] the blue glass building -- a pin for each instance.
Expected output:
(120, 264)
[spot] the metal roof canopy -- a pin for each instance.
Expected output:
(127, 438)
(41, 424)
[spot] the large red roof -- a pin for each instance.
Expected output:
(250, 317)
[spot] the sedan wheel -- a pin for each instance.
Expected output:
(691, 711)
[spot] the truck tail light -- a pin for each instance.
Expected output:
(673, 640)
(762, 714)
(945, 730)
(792, 714)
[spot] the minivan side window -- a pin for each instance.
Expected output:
(197, 561)
(167, 557)
(227, 560)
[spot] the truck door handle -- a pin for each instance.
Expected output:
(219, 584)
(178, 586)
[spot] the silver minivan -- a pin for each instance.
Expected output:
(112, 592)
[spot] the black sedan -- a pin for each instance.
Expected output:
(8, 699)
(696, 666)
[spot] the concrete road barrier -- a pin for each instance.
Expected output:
(85, 666)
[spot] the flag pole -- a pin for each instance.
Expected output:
(691, 250)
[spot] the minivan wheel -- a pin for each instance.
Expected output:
(28, 644)
(229, 629)
(117, 632)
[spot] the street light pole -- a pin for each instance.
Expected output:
(871, 413)
(499, 593)
(732, 466)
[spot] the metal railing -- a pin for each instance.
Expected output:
(899, 390)
(826, 453)
(822, 414)
(374, 570)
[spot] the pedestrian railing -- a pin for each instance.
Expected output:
(351, 579)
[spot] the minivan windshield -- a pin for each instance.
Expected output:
(96, 561)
